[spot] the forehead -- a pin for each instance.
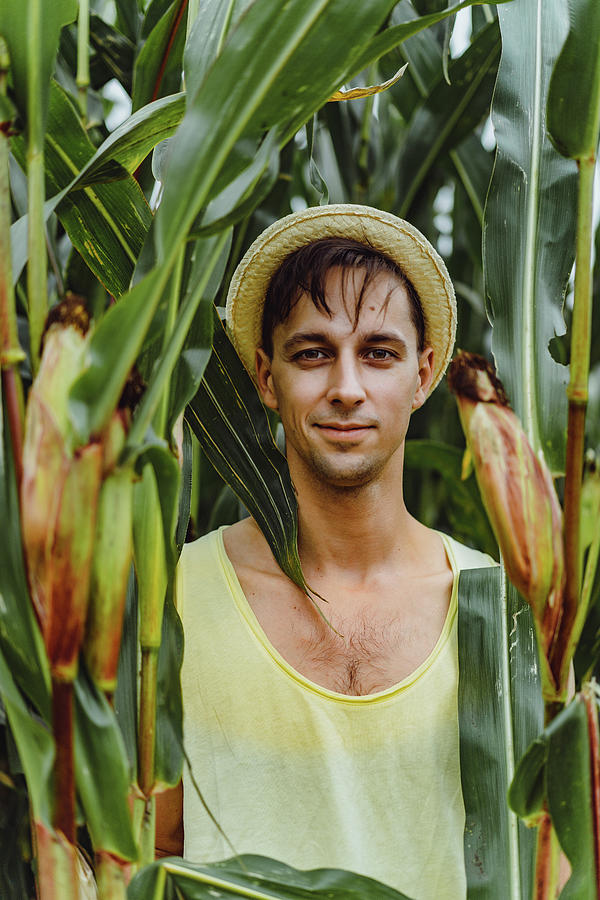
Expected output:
(354, 303)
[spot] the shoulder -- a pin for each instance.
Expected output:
(467, 557)
(200, 550)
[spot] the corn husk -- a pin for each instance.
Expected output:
(59, 494)
(517, 491)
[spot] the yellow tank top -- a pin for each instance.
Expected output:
(306, 775)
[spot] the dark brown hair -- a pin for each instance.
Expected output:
(305, 269)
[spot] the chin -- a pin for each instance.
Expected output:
(343, 474)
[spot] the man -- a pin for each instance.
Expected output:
(325, 734)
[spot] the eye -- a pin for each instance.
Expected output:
(379, 354)
(311, 354)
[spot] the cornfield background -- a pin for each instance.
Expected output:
(226, 123)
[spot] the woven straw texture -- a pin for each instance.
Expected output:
(395, 237)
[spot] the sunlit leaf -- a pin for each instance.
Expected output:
(358, 93)
(500, 713)
(529, 226)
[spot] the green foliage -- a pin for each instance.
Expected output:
(556, 771)
(500, 712)
(529, 220)
(574, 115)
(254, 876)
(238, 157)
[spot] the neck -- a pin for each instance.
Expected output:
(353, 532)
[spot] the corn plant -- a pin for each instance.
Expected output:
(110, 260)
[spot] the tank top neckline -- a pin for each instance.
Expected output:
(249, 618)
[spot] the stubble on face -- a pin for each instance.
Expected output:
(347, 465)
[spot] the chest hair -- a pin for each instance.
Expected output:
(362, 658)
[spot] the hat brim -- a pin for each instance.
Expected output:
(392, 236)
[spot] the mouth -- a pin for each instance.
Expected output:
(343, 430)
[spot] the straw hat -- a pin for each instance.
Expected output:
(396, 238)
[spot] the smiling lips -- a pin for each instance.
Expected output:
(343, 430)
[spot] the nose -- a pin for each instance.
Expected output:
(345, 385)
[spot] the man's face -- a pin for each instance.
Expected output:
(345, 393)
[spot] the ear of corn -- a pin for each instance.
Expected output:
(149, 557)
(517, 491)
(59, 495)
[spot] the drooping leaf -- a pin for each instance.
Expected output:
(107, 223)
(529, 226)
(254, 876)
(231, 424)
(574, 93)
(500, 713)
(129, 144)
(449, 113)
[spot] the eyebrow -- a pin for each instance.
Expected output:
(319, 337)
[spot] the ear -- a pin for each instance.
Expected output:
(425, 377)
(264, 378)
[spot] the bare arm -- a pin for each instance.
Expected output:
(169, 822)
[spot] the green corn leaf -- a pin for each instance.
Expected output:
(500, 713)
(529, 226)
(168, 759)
(32, 30)
(248, 93)
(157, 70)
(34, 742)
(196, 350)
(556, 769)
(395, 35)
(253, 876)
(102, 772)
(213, 21)
(119, 155)
(229, 420)
(113, 349)
(113, 56)
(574, 93)
(129, 144)
(107, 223)
(449, 114)
(126, 694)
(244, 193)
